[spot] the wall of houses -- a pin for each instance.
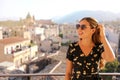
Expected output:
(18, 52)
(4, 57)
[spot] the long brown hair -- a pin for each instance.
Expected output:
(93, 24)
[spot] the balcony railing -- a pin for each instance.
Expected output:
(49, 76)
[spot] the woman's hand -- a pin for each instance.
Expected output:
(102, 31)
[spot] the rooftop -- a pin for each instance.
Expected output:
(12, 40)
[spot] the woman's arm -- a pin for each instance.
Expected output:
(68, 70)
(108, 53)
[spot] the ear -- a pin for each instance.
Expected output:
(93, 30)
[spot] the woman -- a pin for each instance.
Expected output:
(83, 57)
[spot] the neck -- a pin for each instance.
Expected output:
(86, 42)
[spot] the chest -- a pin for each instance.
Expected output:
(93, 55)
(86, 50)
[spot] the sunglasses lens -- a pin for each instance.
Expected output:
(77, 26)
(80, 26)
(83, 27)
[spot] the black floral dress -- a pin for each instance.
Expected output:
(84, 66)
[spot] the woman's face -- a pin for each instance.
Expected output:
(84, 30)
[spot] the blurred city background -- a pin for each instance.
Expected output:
(35, 34)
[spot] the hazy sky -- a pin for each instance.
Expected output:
(46, 9)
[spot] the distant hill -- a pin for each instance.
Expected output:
(99, 15)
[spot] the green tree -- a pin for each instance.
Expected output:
(118, 68)
(61, 35)
(111, 66)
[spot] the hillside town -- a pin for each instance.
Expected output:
(32, 41)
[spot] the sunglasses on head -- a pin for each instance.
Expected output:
(81, 26)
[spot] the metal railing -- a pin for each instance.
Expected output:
(49, 76)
